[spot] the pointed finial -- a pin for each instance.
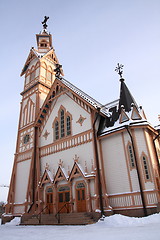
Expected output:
(44, 22)
(118, 69)
(92, 168)
(60, 163)
(76, 158)
(47, 166)
(85, 167)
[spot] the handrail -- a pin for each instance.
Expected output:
(39, 214)
(64, 206)
(43, 210)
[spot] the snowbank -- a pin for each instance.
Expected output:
(14, 222)
(112, 228)
(118, 220)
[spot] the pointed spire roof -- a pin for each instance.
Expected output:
(126, 99)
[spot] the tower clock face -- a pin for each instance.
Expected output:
(26, 138)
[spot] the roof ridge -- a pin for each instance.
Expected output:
(85, 96)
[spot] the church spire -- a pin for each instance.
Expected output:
(126, 99)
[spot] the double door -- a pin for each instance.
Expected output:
(81, 199)
(63, 200)
(49, 208)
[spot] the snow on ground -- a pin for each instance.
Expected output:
(112, 228)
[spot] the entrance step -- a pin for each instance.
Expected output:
(62, 219)
(29, 220)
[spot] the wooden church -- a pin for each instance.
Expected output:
(77, 159)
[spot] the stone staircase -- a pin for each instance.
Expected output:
(81, 218)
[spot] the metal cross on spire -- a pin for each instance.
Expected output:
(44, 22)
(118, 69)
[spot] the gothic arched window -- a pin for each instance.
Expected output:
(32, 76)
(49, 74)
(62, 124)
(131, 156)
(145, 167)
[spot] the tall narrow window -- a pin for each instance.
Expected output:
(32, 76)
(56, 130)
(145, 165)
(131, 156)
(68, 123)
(62, 123)
(49, 76)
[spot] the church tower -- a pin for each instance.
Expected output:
(39, 72)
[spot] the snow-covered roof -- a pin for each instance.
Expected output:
(64, 172)
(50, 175)
(39, 54)
(130, 121)
(157, 127)
(85, 96)
(123, 112)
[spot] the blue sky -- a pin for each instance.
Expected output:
(90, 37)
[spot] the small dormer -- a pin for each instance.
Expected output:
(44, 41)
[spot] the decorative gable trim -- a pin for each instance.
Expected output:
(31, 56)
(46, 178)
(56, 91)
(76, 171)
(60, 175)
(59, 88)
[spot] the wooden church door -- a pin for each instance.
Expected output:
(49, 200)
(63, 199)
(81, 197)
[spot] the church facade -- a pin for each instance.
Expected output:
(74, 154)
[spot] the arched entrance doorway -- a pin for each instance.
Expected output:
(63, 199)
(80, 197)
(49, 200)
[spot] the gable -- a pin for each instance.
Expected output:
(135, 114)
(61, 86)
(51, 56)
(76, 120)
(60, 175)
(76, 172)
(46, 178)
(123, 116)
(32, 55)
(77, 105)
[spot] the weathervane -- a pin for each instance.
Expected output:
(44, 22)
(119, 69)
(57, 70)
